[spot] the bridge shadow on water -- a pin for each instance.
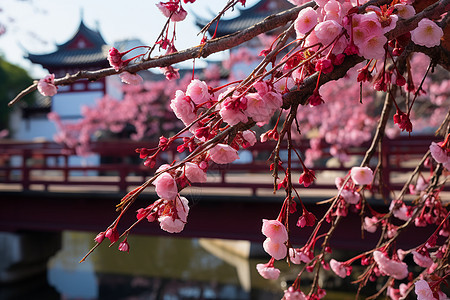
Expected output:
(189, 265)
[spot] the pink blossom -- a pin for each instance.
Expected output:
(46, 86)
(268, 271)
(250, 137)
(115, 59)
(439, 154)
(400, 210)
(223, 154)
(427, 34)
(339, 268)
(194, 173)
(275, 230)
(307, 177)
(297, 256)
(370, 22)
(361, 175)
(327, 31)
(291, 294)
(198, 91)
(390, 267)
(389, 23)
(423, 260)
(182, 207)
(423, 291)
(129, 78)
(170, 72)
(284, 84)
(306, 20)
(332, 10)
(183, 108)
(351, 197)
(370, 224)
(165, 186)
(257, 108)
(405, 11)
(168, 8)
(170, 224)
(179, 15)
(275, 249)
(373, 47)
(393, 293)
(232, 116)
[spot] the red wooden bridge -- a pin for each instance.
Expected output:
(40, 190)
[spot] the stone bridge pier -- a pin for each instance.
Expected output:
(23, 264)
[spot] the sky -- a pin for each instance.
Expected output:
(36, 26)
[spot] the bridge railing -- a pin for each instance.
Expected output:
(45, 165)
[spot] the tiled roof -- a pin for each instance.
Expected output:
(72, 54)
(247, 17)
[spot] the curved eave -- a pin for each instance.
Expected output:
(75, 58)
(93, 36)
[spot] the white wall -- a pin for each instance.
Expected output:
(69, 105)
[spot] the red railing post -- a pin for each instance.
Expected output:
(26, 154)
(123, 178)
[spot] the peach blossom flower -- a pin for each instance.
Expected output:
(390, 267)
(291, 294)
(198, 91)
(400, 210)
(405, 11)
(424, 261)
(275, 249)
(179, 15)
(275, 230)
(370, 224)
(373, 47)
(440, 155)
(268, 271)
(306, 20)
(182, 207)
(169, 224)
(232, 116)
(423, 291)
(46, 86)
(223, 154)
(339, 268)
(351, 197)
(257, 108)
(249, 136)
(129, 78)
(166, 187)
(327, 31)
(427, 34)
(297, 256)
(183, 108)
(361, 175)
(194, 173)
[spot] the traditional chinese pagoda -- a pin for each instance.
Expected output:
(85, 50)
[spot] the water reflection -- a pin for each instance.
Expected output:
(156, 268)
